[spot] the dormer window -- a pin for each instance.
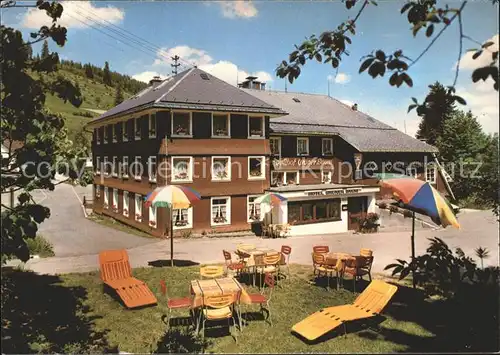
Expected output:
(256, 127)
(220, 125)
(182, 124)
(327, 146)
(97, 137)
(115, 132)
(124, 131)
(137, 128)
(152, 125)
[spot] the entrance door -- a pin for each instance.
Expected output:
(356, 208)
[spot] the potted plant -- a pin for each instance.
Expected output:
(152, 132)
(256, 132)
(105, 205)
(221, 132)
(221, 174)
(115, 208)
(152, 223)
(125, 212)
(255, 172)
(382, 205)
(182, 131)
(181, 223)
(393, 209)
(138, 217)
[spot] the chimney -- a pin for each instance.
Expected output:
(251, 83)
(354, 107)
(155, 81)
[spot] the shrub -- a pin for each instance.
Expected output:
(369, 224)
(40, 246)
(407, 214)
(83, 114)
(393, 209)
(382, 205)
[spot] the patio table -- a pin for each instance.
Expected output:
(337, 259)
(250, 261)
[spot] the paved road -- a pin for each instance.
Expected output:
(72, 234)
(478, 229)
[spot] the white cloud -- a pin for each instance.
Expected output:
(347, 102)
(340, 78)
(191, 55)
(483, 60)
(482, 100)
(238, 8)
(146, 76)
(223, 69)
(74, 15)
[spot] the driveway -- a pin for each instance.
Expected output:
(479, 228)
(72, 234)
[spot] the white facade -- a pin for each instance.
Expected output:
(280, 213)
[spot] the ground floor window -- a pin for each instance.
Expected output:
(138, 207)
(302, 212)
(106, 197)
(183, 218)
(125, 203)
(253, 209)
(115, 200)
(221, 211)
(152, 217)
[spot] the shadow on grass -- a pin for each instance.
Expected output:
(177, 263)
(39, 314)
(178, 340)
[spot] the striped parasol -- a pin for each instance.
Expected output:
(172, 197)
(271, 199)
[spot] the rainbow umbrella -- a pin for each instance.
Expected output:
(272, 199)
(172, 197)
(420, 196)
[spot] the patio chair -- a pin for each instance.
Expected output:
(261, 299)
(369, 303)
(245, 246)
(286, 251)
(321, 267)
(117, 274)
(357, 267)
(175, 303)
(217, 308)
(366, 252)
(211, 272)
(270, 265)
(230, 265)
(321, 249)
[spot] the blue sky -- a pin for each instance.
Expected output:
(253, 37)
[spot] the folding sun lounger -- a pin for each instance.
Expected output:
(116, 273)
(369, 303)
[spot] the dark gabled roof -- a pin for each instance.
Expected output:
(193, 89)
(323, 115)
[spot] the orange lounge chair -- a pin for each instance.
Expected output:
(368, 304)
(116, 273)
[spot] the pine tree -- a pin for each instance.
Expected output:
(439, 106)
(45, 50)
(29, 51)
(119, 95)
(88, 71)
(106, 76)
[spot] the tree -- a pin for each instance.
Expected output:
(438, 106)
(29, 51)
(35, 138)
(106, 77)
(45, 50)
(88, 71)
(119, 95)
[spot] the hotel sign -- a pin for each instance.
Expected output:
(335, 192)
(300, 162)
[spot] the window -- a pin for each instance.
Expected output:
(152, 125)
(125, 131)
(303, 212)
(256, 168)
(114, 167)
(138, 207)
(115, 200)
(182, 169)
(97, 191)
(181, 124)
(152, 169)
(125, 203)
(152, 217)
(256, 127)
(302, 146)
(280, 178)
(114, 132)
(107, 167)
(106, 131)
(124, 171)
(291, 178)
(96, 136)
(137, 168)
(220, 125)
(326, 177)
(275, 145)
(137, 128)
(221, 210)
(327, 146)
(253, 209)
(277, 178)
(221, 168)
(97, 165)
(411, 171)
(183, 218)
(430, 173)
(106, 197)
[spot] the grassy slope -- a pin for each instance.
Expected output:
(96, 96)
